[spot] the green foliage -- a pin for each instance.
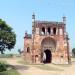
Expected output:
(7, 37)
(6, 69)
(19, 50)
(73, 52)
(10, 72)
(6, 55)
(3, 67)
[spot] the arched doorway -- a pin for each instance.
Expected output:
(47, 56)
(48, 45)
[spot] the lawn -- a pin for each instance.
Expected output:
(49, 68)
(3, 61)
(10, 72)
(41, 66)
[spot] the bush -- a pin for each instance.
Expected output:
(3, 67)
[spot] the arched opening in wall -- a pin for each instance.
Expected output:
(54, 31)
(36, 58)
(47, 56)
(48, 45)
(49, 30)
(28, 50)
(43, 30)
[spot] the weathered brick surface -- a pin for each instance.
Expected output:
(59, 51)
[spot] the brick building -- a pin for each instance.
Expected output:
(48, 42)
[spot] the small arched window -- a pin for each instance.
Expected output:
(28, 50)
(60, 31)
(49, 30)
(43, 30)
(54, 31)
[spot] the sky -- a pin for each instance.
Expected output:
(18, 14)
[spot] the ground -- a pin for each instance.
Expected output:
(48, 69)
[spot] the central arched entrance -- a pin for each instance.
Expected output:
(48, 45)
(47, 56)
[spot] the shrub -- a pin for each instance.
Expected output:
(3, 67)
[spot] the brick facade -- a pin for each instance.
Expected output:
(48, 43)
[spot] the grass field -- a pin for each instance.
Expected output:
(10, 72)
(50, 67)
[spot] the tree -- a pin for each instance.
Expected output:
(20, 52)
(73, 52)
(7, 37)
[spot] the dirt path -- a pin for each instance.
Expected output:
(30, 70)
(69, 71)
(25, 70)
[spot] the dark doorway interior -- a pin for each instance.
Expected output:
(48, 56)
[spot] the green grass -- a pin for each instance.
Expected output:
(62, 65)
(46, 67)
(73, 59)
(40, 66)
(3, 61)
(6, 55)
(24, 62)
(10, 72)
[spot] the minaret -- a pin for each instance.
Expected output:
(33, 36)
(33, 17)
(26, 34)
(64, 19)
(33, 23)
